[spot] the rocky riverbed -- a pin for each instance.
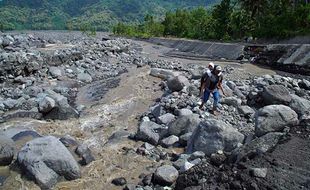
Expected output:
(111, 113)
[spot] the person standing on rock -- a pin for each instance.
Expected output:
(208, 73)
(212, 84)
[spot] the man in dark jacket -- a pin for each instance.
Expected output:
(212, 84)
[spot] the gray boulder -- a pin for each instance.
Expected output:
(179, 163)
(157, 110)
(7, 40)
(196, 73)
(46, 159)
(246, 111)
(184, 111)
(228, 91)
(10, 103)
(184, 138)
(169, 141)
(46, 104)
(85, 153)
(231, 101)
(184, 124)
(193, 90)
(118, 136)
(33, 91)
(55, 72)
(212, 136)
(300, 105)
(166, 118)
(231, 85)
(84, 77)
(62, 109)
(7, 150)
(186, 166)
(274, 118)
(259, 172)
(149, 132)
(165, 175)
(276, 94)
(256, 147)
(177, 83)
(163, 73)
(305, 84)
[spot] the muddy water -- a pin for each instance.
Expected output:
(119, 109)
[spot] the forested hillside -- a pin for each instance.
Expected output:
(74, 14)
(228, 20)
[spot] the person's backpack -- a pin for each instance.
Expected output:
(203, 79)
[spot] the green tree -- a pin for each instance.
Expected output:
(221, 18)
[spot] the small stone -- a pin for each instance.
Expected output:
(166, 118)
(187, 165)
(184, 111)
(55, 72)
(84, 152)
(231, 101)
(68, 141)
(170, 141)
(259, 172)
(217, 159)
(84, 77)
(246, 111)
(46, 105)
(165, 175)
(197, 154)
(130, 187)
(184, 138)
(196, 161)
(119, 181)
(305, 84)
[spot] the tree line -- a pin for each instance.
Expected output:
(228, 20)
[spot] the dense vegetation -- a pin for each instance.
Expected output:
(79, 14)
(228, 20)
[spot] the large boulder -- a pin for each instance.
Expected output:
(46, 159)
(84, 77)
(148, 131)
(163, 73)
(7, 150)
(276, 94)
(46, 104)
(274, 118)
(165, 175)
(62, 110)
(177, 83)
(300, 105)
(231, 101)
(196, 73)
(212, 136)
(184, 124)
(256, 147)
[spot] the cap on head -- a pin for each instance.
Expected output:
(218, 68)
(211, 64)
